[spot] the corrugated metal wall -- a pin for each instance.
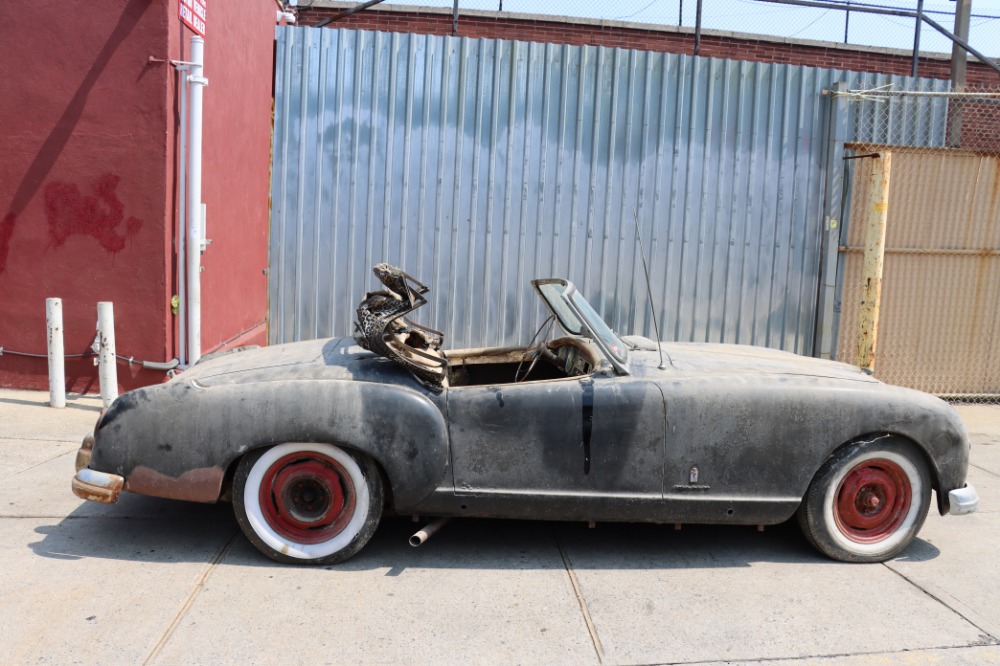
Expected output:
(476, 165)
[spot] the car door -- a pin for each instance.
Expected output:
(599, 435)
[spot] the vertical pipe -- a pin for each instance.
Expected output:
(106, 354)
(181, 226)
(57, 359)
(916, 37)
(877, 207)
(454, 20)
(847, 20)
(198, 82)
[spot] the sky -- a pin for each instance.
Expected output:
(754, 16)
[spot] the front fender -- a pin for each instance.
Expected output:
(766, 436)
(178, 439)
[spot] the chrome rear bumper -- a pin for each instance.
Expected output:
(962, 501)
(97, 486)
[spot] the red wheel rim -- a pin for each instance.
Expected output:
(307, 497)
(872, 500)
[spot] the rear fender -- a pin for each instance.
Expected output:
(178, 439)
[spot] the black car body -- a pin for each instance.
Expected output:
(585, 426)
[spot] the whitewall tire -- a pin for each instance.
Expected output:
(868, 500)
(307, 503)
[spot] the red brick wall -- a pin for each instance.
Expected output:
(662, 39)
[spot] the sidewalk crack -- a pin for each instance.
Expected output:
(189, 602)
(989, 638)
(983, 469)
(591, 628)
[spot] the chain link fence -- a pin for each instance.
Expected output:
(935, 325)
(764, 18)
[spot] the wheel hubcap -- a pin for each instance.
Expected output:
(307, 497)
(872, 500)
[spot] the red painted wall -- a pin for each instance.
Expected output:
(87, 198)
(239, 65)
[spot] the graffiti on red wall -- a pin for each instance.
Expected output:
(69, 212)
(101, 215)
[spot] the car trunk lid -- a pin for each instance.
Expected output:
(329, 359)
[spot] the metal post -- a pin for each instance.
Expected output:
(198, 82)
(57, 358)
(697, 28)
(454, 20)
(916, 37)
(827, 309)
(877, 207)
(847, 20)
(106, 354)
(959, 57)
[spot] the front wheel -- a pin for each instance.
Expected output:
(307, 503)
(868, 501)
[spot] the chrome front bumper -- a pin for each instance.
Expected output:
(962, 501)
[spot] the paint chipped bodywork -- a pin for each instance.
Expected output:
(195, 485)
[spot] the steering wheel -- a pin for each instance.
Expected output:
(534, 350)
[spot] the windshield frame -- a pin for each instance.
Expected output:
(578, 317)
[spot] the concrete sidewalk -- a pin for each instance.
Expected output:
(151, 581)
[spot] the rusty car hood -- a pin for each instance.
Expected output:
(708, 359)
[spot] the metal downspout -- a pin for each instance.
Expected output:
(181, 241)
(194, 208)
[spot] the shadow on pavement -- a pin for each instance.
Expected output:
(138, 528)
(154, 530)
(69, 404)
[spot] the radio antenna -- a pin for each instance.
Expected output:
(649, 288)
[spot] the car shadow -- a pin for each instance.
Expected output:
(154, 530)
(483, 543)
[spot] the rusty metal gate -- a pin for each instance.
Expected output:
(940, 305)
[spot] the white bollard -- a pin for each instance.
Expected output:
(57, 358)
(107, 359)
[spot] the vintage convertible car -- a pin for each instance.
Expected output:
(314, 441)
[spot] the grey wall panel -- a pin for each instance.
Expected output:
(476, 165)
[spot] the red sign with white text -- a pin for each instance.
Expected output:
(192, 13)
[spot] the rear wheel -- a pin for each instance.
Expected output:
(307, 503)
(868, 501)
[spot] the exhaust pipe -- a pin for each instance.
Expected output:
(429, 531)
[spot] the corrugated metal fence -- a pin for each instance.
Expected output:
(476, 165)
